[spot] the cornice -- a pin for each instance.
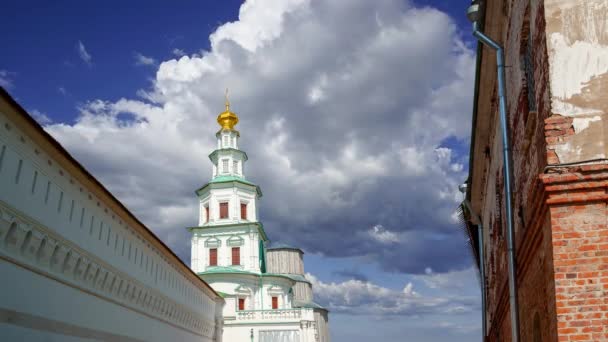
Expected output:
(229, 150)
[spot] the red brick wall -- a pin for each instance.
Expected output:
(577, 200)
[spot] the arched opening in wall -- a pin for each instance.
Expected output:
(26, 242)
(66, 262)
(40, 252)
(10, 235)
(55, 256)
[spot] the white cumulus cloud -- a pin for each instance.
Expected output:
(366, 298)
(343, 115)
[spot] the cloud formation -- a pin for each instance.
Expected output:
(84, 54)
(144, 60)
(6, 79)
(41, 117)
(178, 52)
(345, 111)
(365, 298)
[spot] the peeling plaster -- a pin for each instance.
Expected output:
(577, 42)
(578, 54)
(572, 68)
(580, 124)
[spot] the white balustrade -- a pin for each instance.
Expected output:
(270, 315)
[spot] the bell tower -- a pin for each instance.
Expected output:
(228, 234)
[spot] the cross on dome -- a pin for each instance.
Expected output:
(227, 119)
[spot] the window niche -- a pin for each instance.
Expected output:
(275, 302)
(235, 167)
(225, 163)
(212, 256)
(243, 293)
(223, 210)
(206, 210)
(236, 256)
(243, 211)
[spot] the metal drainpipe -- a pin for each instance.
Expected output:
(482, 271)
(507, 172)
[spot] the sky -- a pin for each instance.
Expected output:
(355, 116)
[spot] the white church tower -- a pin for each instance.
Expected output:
(229, 252)
(228, 209)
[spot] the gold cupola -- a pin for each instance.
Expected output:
(227, 119)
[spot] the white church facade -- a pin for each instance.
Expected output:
(268, 299)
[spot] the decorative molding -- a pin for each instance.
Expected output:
(213, 242)
(235, 241)
(28, 244)
(243, 290)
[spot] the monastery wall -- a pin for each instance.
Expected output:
(78, 265)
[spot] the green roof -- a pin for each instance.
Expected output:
(222, 294)
(222, 179)
(310, 305)
(233, 270)
(223, 269)
(258, 224)
(229, 179)
(294, 277)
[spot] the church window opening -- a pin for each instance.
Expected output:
(241, 304)
(225, 166)
(207, 213)
(236, 255)
(243, 211)
(275, 302)
(235, 167)
(224, 210)
(226, 141)
(212, 256)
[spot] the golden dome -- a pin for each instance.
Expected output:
(227, 119)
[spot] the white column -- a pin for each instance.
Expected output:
(194, 254)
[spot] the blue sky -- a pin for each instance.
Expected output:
(356, 126)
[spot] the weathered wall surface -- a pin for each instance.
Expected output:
(557, 80)
(577, 40)
(520, 27)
